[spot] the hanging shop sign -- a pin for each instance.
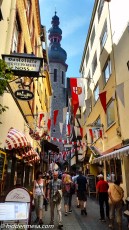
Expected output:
(24, 95)
(23, 64)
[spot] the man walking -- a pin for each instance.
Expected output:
(82, 188)
(102, 191)
(55, 191)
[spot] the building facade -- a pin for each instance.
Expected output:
(23, 34)
(105, 72)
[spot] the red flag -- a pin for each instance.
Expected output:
(100, 133)
(68, 128)
(49, 124)
(102, 97)
(41, 115)
(55, 115)
(91, 133)
(77, 93)
(81, 131)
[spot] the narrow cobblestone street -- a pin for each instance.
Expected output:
(77, 222)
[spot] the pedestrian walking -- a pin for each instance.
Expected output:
(102, 193)
(55, 194)
(74, 179)
(67, 185)
(39, 195)
(116, 194)
(82, 191)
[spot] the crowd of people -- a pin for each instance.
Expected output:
(52, 189)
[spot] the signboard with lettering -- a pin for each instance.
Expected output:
(91, 184)
(18, 195)
(24, 95)
(23, 64)
(13, 211)
(2, 164)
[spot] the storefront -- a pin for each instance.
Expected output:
(2, 169)
(21, 160)
(116, 166)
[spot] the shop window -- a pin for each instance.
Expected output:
(100, 8)
(96, 93)
(107, 71)
(113, 170)
(104, 34)
(110, 114)
(55, 75)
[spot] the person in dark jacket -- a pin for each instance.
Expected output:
(82, 189)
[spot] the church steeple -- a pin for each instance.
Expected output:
(56, 52)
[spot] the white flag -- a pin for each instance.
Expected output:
(64, 114)
(61, 127)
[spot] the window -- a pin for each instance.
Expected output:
(87, 55)
(107, 71)
(98, 122)
(96, 93)
(113, 167)
(94, 63)
(62, 77)
(16, 35)
(100, 8)
(92, 36)
(110, 113)
(55, 75)
(88, 80)
(104, 34)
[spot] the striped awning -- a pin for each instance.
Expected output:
(120, 153)
(15, 139)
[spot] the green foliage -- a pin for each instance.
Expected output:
(5, 76)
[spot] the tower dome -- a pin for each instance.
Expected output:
(55, 51)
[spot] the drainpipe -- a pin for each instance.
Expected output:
(10, 20)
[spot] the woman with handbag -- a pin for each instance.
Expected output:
(38, 195)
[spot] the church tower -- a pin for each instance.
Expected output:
(58, 67)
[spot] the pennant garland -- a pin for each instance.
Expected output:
(102, 97)
(49, 124)
(120, 93)
(41, 115)
(68, 129)
(55, 116)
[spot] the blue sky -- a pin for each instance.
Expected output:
(74, 17)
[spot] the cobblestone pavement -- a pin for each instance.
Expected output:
(75, 221)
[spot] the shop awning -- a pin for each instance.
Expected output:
(115, 154)
(15, 139)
